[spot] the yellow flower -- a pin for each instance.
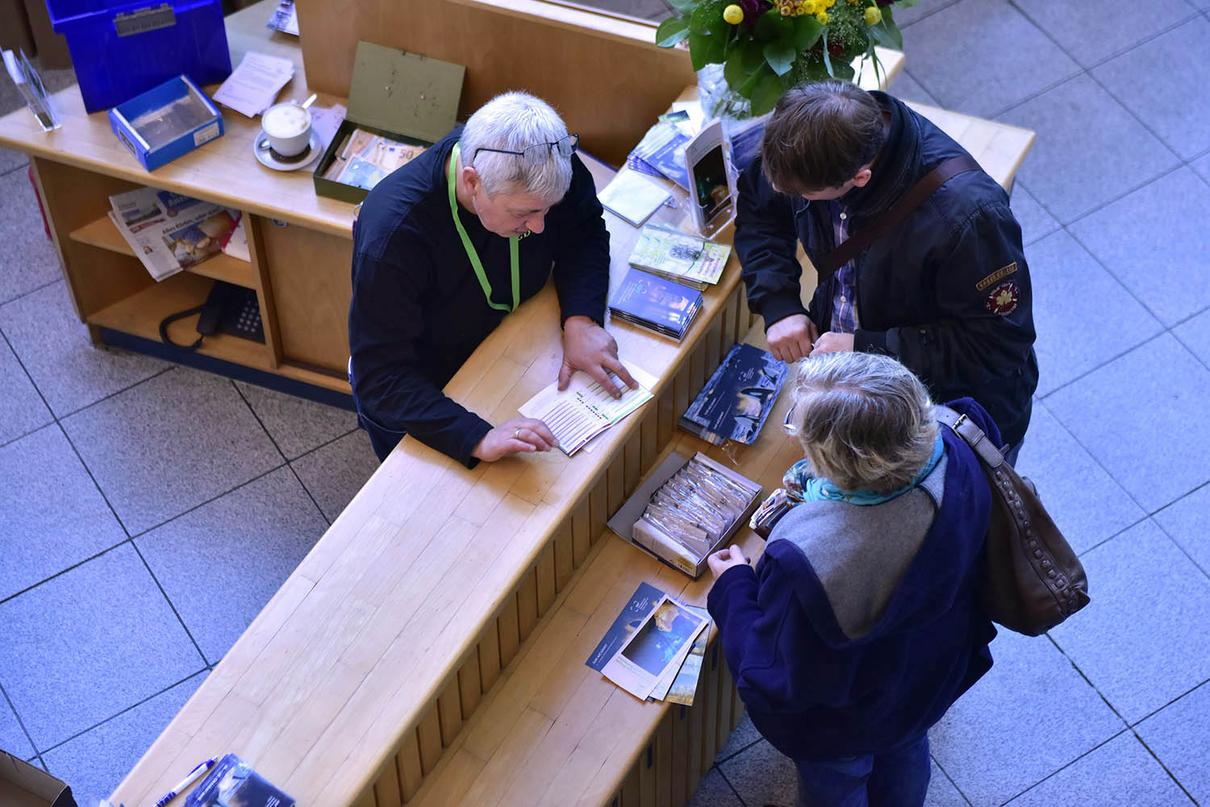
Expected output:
(733, 14)
(822, 17)
(873, 15)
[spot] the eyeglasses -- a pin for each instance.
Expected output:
(788, 424)
(538, 152)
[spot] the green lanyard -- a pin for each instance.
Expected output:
(473, 255)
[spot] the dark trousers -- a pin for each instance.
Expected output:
(896, 778)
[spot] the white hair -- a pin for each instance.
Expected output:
(864, 421)
(512, 121)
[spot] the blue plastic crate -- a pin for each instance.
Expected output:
(178, 134)
(121, 49)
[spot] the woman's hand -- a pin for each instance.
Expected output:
(724, 559)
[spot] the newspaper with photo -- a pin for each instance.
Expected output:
(169, 232)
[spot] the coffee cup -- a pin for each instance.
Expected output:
(288, 127)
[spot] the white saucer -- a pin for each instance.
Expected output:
(266, 157)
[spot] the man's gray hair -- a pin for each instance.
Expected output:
(864, 421)
(512, 121)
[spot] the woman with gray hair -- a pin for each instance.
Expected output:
(861, 623)
(446, 246)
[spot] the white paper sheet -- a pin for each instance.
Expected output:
(253, 86)
(585, 409)
(633, 197)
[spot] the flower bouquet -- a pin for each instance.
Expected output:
(768, 46)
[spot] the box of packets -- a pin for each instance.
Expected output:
(687, 508)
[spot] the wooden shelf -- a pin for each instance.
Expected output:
(140, 314)
(103, 234)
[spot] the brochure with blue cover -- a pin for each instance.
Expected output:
(655, 303)
(232, 781)
(738, 398)
(641, 603)
(661, 153)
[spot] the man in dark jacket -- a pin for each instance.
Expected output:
(946, 291)
(448, 245)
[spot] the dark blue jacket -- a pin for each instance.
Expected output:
(418, 311)
(947, 291)
(813, 692)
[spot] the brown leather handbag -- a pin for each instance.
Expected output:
(1032, 580)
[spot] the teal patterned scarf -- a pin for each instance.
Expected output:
(817, 489)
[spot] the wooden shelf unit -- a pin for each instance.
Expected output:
(102, 233)
(141, 313)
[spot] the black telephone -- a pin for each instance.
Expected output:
(228, 309)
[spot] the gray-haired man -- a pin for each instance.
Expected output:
(448, 245)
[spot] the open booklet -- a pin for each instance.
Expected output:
(585, 409)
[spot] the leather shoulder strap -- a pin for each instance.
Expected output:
(915, 196)
(965, 428)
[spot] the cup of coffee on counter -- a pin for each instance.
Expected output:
(288, 127)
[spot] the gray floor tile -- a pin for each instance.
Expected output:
(12, 736)
(1162, 80)
(94, 763)
(12, 160)
(1143, 417)
(296, 424)
(1177, 734)
(762, 775)
(1142, 640)
(90, 643)
(1119, 772)
(170, 444)
(54, 516)
(244, 545)
(983, 56)
(1155, 241)
(1082, 130)
(1194, 333)
(1085, 502)
(1028, 717)
(69, 370)
(29, 258)
(942, 792)
(745, 734)
(333, 474)
(909, 89)
(922, 9)
(1202, 166)
(1187, 522)
(21, 407)
(1090, 38)
(713, 791)
(1035, 221)
(1072, 291)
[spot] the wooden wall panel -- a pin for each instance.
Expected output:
(610, 84)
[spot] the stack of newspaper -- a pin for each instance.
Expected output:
(655, 647)
(169, 232)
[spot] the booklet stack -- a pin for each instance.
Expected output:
(679, 256)
(655, 647)
(656, 304)
(738, 398)
(169, 232)
(661, 153)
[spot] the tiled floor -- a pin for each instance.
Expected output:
(147, 511)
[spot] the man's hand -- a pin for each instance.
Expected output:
(724, 559)
(589, 347)
(790, 339)
(834, 343)
(516, 436)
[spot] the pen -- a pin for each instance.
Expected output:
(187, 781)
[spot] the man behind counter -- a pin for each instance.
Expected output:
(448, 245)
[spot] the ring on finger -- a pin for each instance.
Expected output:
(517, 433)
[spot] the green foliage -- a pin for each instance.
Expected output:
(762, 58)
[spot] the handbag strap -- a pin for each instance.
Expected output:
(966, 428)
(916, 195)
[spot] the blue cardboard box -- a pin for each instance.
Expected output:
(120, 48)
(166, 122)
